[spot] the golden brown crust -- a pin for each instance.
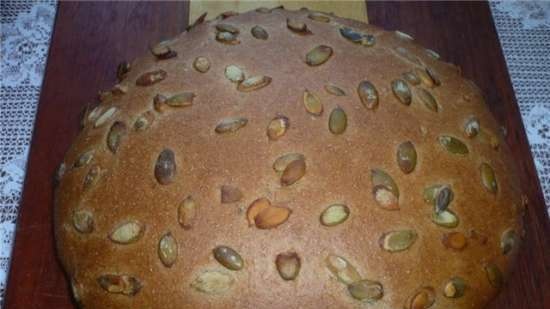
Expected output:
(122, 186)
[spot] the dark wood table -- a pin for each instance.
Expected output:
(89, 40)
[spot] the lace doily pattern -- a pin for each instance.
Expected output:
(26, 28)
(524, 32)
(523, 28)
(532, 14)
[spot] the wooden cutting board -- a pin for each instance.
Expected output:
(343, 8)
(91, 38)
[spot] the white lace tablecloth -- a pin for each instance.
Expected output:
(26, 29)
(26, 26)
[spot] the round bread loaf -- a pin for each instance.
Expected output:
(288, 159)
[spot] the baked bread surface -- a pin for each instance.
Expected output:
(184, 209)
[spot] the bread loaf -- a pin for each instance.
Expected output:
(288, 159)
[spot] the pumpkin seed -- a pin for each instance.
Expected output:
(342, 269)
(508, 241)
(187, 212)
(150, 78)
(338, 121)
(283, 161)
(455, 240)
(407, 55)
(91, 177)
(334, 215)
(162, 51)
(231, 124)
(411, 78)
(293, 172)
(168, 250)
(277, 127)
(433, 54)
(254, 83)
(59, 173)
(122, 70)
(445, 218)
(318, 17)
(201, 64)
(368, 94)
(433, 76)
(234, 73)
(165, 167)
(366, 290)
(259, 33)
(312, 103)
(401, 91)
(228, 257)
(318, 55)
(116, 134)
(120, 284)
(427, 99)
(351, 34)
(83, 221)
(127, 232)
(227, 28)
(334, 90)
(119, 89)
(368, 40)
(385, 198)
(197, 22)
(453, 145)
(357, 36)
(471, 127)
(144, 121)
(427, 77)
(227, 38)
(494, 275)
(213, 282)
(488, 178)
(297, 26)
(406, 157)
(76, 290)
(271, 217)
(443, 198)
(105, 116)
(396, 241)
(385, 190)
(227, 14)
(183, 99)
(255, 208)
(403, 35)
(431, 192)
(159, 102)
(288, 265)
(230, 194)
(94, 113)
(454, 288)
(84, 159)
(424, 77)
(422, 299)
